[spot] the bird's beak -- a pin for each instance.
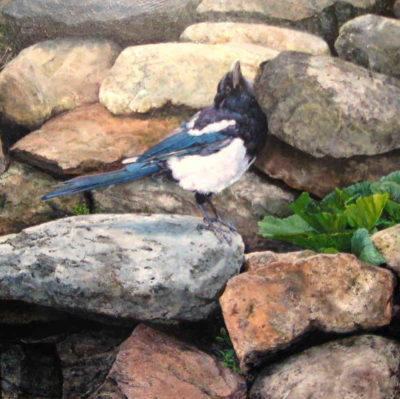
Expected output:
(236, 74)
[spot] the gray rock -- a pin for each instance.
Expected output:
(21, 187)
(322, 17)
(147, 77)
(327, 106)
(124, 266)
(243, 204)
(124, 21)
(358, 367)
(53, 76)
(396, 8)
(373, 42)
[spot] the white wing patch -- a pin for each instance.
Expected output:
(130, 160)
(211, 128)
(211, 173)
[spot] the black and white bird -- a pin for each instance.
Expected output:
(206, 154)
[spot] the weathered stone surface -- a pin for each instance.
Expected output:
(124, 266)
(123, 21)
(53, 76)
(358, 367)
(327, 106)
(90, 139)
(388, 243)
(274, 37)
(266, 308)
(29, 371)
(151, 364)
(3, 159)
(243, 204)
(319, 176)
(396, 8)
(322, 17)
(373, 42)
(20, 190)
(154, 75)
(260, 259)
(86, 358)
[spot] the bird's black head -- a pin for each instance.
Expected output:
(234, 90)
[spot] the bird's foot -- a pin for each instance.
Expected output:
(218, 227)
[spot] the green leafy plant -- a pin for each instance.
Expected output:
(342, 221)
(227, 354)
(80, 209)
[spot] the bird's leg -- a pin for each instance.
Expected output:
(218, 218)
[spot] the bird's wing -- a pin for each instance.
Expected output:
(189, 140)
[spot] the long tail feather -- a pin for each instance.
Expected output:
(91, 182)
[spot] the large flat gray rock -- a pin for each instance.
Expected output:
(125, 266)
(124, 21)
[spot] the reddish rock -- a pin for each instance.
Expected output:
(151, 364)
(90, 138)
(267, 308)
(319, 176)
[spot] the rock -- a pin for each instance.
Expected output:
(322, 17)
(373, 42)
(123, 21)
(243, 204)
(86, 358)
(20, 190)
(151, 364)
(29, 371)
(3, 158)
(260, 259)
(124, 266)
(53, 76)
(388, 243)
(396, 8)
(267, 308)
(182, 74)
(274, 37)
(357, 367)
(327, 106)
(89, 139)
(319, 176)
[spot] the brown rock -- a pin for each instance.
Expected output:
(20, 190)
(353, 368)
(388, 243)
(151, 364)
(258, 260)
(266, 308)
(319, 176)
(53, 76)
(89, 139)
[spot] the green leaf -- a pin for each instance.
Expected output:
(393, 210)
(364, 249)
(271, 226)
(386, 186)
(366, 211)
(394, 176)
(362, 188)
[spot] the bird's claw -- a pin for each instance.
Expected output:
(217, 227)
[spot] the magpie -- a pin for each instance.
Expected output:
(205, 154)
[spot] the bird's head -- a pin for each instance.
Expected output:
(234, 90)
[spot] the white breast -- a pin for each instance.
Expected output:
(211, 173)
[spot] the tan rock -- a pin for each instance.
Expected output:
(274, 37)
(319, 176)
(53, 76)
(21, 187)
(151, 364)
(182, 74)
(388, 243)
(366, 366)
(258, 260)
(266, 308)
(90, 138)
